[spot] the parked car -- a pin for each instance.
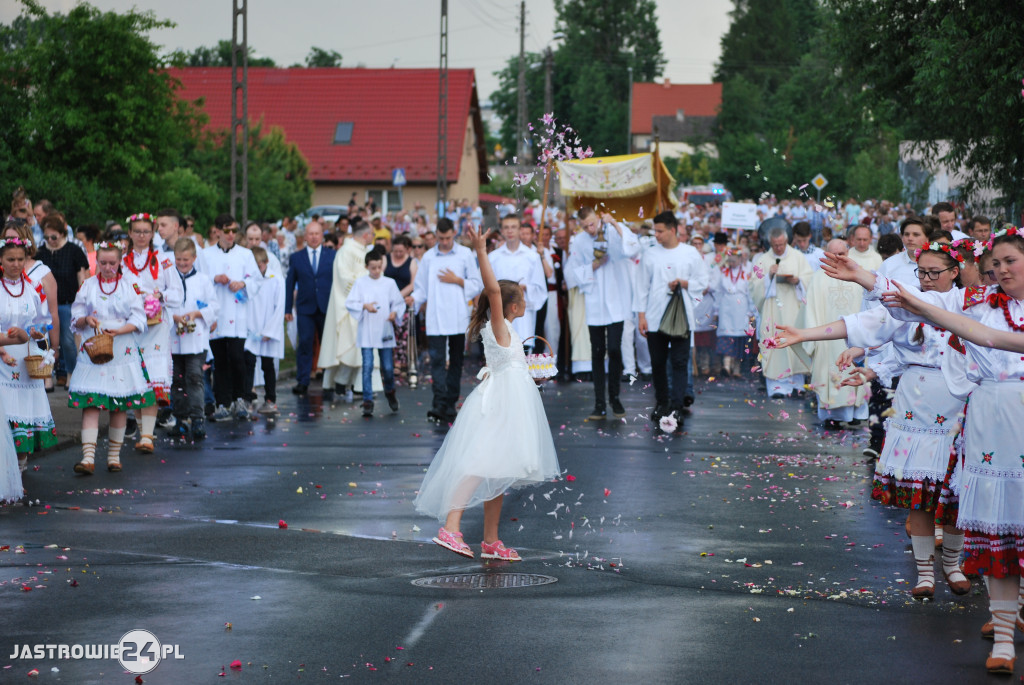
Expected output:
(329, 214)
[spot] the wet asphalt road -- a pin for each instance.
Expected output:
(746, 550)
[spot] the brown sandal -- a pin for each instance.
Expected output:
(146, 444)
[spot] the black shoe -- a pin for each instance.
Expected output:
(798, 394)
(832, 425)
(198, 429)
(339, 388)
(599, 413)
(617, 409)
(367, 409)
(778, 396)
(300, 389)
(392, 400)
(660, 411)
(451, 414)
(687, 401)
(437, 415)
(328, 396)
(209, 409)
(855, 422)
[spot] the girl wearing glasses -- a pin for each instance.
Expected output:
(919, 435)
(157, 279)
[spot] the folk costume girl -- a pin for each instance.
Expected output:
(109, 302)
(731, 284)
(991, 485)
(42, 280)
(28, 410)
(501, 438)
(919, 436)
(159, 287)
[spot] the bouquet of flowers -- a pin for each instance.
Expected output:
(154, 310)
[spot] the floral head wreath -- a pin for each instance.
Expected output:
(110, 245)
(940, 247)
(975, 247)
(18, 242)
(144, 216)
(1009, 230)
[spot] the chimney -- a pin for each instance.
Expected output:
(668, 84)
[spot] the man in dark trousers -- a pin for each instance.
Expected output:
(310, 271)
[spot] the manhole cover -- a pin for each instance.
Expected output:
(485, 581)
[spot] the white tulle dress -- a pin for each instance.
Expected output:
(10, 474)
(500, 440)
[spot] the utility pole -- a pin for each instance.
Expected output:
(240, 125)
(442, 115)
(629, 115)
(521, 119)
(548, 92)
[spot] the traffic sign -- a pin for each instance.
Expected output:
(819, 182)
(398, 177)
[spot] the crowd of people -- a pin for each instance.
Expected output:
(856, 306)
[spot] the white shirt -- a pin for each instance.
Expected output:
(266, 315)
(900, 267)
(447, 303)
(813, 256)
(237, 264)
(659, 267)
(314, 254)
(375, 330)
(199, 294)
(522, 266)
(607, 290)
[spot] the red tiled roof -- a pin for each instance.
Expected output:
(663, 99)
(393, 112)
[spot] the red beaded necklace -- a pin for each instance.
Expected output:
(1005, 305)
(21, 278)
(117, 280)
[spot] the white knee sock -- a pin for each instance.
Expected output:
(952, 545)
(924, 546)
(116, 439)
(89, 438)
(147, 425)
(1004, 614)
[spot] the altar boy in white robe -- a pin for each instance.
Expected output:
(376, 303)
(599, 267)
(513, 261)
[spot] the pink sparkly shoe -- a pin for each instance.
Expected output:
(453, 541)
(498, 550)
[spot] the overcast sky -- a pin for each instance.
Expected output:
(483, 34)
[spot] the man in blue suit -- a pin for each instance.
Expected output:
(310, 271)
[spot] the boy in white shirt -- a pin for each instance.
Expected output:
(375, 302)
(190, 340)
(265, 320)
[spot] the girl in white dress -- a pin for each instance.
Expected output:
(501, 438)
(154, 273)
(108, 302)
(990, 484)
(10, 475)
(730, 283)
(28, 410)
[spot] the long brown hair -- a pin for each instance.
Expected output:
(950, 262)
(510, 294)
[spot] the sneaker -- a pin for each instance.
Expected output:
(599, 414)
(617, 409)
(367, 409)
(221, 414)
(241, 410)
(168, 424)
(269, 409)
(498, 550)
(198, 429)
(392, 400)
(869, 453)
(453, 542)
(349, 397)
(183, 430)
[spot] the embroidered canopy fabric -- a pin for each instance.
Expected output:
(625, 185)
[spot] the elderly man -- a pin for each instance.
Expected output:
(827, 300)
(860, 249)
(779, 289)
(254, 238)
(340, 355)
(309, 284)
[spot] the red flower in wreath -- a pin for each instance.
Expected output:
(909, 416)
(940, 420)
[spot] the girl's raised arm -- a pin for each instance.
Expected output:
(492, 291)
(958, 324)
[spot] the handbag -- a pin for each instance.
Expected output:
(674, 322)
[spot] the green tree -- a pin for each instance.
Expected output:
(318, 57)
(90, 117)
(950, 73)
(220, 56)
(590, 81)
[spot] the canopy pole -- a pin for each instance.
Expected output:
(658, 206)
(544, 203)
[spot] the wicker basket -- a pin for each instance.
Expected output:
(100, 347)
(35, 366)
(541, 366)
